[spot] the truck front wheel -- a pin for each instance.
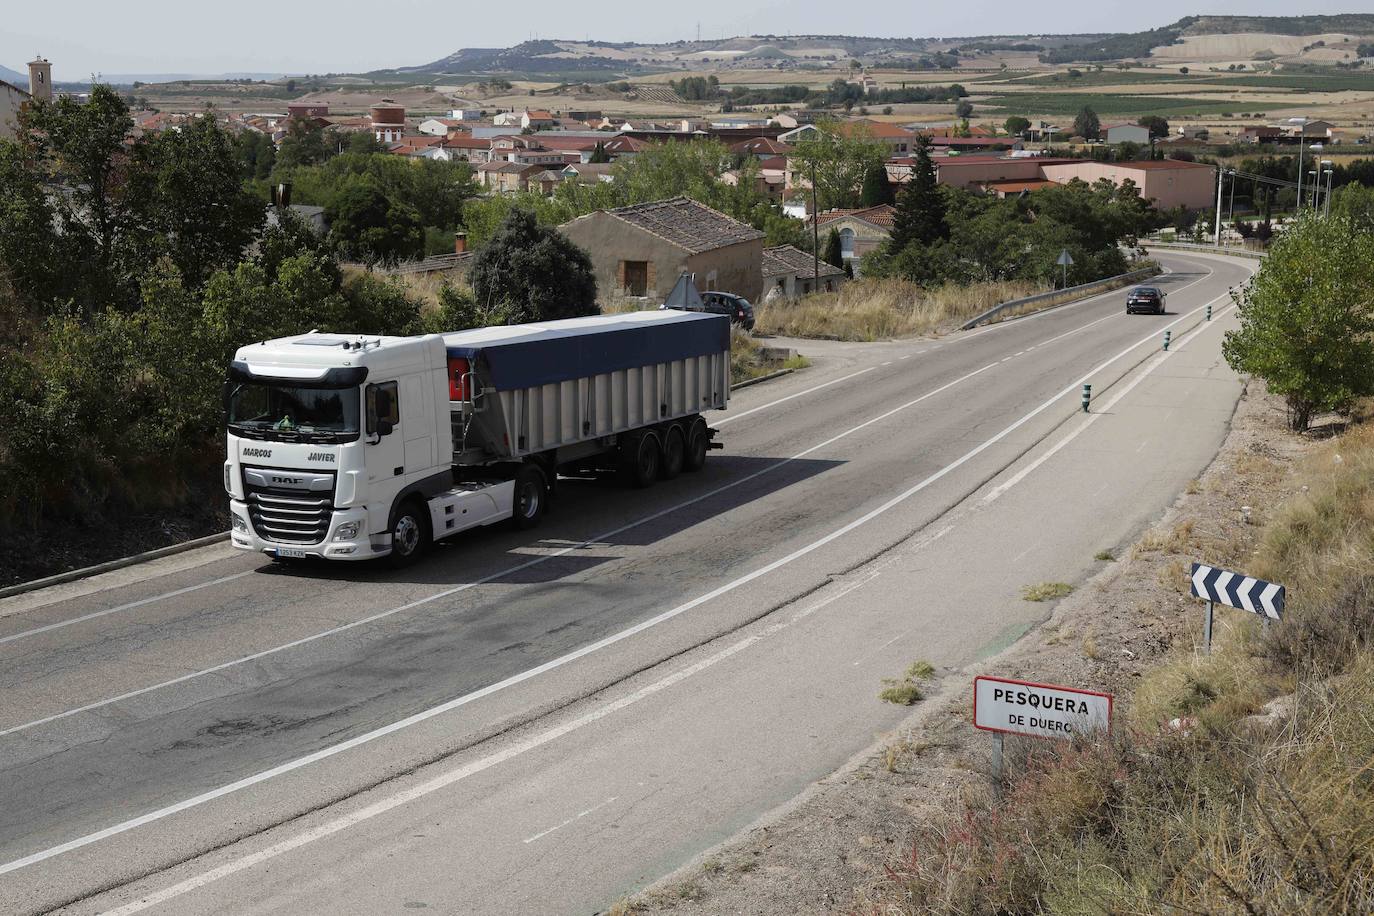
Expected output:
(531, 497)
(409, 533)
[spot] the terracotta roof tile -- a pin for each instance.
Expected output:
(882, 215)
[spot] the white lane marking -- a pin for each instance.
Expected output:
(739, 416)
(542, 558)
(1141, 447)
(1092, 417)
(614, 638)
(14, 637)
(444, 780)
(888, 363)
(578, 816)
(908, 356)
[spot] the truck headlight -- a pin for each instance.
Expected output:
(347, 531)
(239, 523)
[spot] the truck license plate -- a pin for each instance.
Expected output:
(291, 553)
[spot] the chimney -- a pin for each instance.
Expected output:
(460, 242)
(40, 80)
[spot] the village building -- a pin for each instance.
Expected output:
(793, 273)
(1126, 133)
(641, 250)
(861, 230)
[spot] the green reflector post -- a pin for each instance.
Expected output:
(1087, 396)
(1166, 339)
(1209, 311)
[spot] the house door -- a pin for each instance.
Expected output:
(635, 277)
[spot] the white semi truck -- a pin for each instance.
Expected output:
(349, 447)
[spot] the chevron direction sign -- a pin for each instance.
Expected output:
(1239, 591)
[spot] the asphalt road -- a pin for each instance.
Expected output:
(542, 722)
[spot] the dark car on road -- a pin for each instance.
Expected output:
(736, 308)
(1145, 299)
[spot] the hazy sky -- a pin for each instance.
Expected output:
(82, 37)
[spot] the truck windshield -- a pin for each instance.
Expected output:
(293, 412)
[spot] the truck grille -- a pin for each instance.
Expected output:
(291, 516)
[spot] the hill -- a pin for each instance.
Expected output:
(14, 76)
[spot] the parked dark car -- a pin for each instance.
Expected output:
(1145, 299)
(737, 308)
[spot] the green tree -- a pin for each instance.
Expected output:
(534, 272)
(1086, 124)
(364, 141)
(304, 144)
(1016, 125)
(599, 155)
(839, 158)
(877, 189)
(832, 253)
(1307, 318)
(185, 191)
(963, 108)
(81, 147)
(367, 225)
(920, 213)
(1354, 202)
(1157, 125)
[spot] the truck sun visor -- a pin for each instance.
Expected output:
(337, 377)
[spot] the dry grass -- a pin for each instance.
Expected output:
(884, 309)
(1046, 591)
(906, 690)
(1198, 804)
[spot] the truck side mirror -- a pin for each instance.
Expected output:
(384, 427)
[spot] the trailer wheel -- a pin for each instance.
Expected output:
(531, 497)
(409, 533)
(642, 460)
(698, 442)
(674, 453)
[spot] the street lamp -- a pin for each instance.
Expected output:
(1326, 199)
(1314, 184)
(1302, 136)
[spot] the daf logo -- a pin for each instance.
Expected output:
(257, 453)
(276, 479)
(321, 456)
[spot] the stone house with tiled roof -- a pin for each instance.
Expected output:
(795, 273)
(860, 230)
(642, 249)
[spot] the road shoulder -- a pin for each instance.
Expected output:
(824, 851)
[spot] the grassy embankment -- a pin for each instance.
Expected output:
(867, 310)
(1240, 782)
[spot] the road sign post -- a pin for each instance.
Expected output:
(1009, 707)
(1221, 586)
(1064, 260)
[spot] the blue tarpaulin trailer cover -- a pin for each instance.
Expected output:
(546, 352)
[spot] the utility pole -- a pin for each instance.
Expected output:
(1217, 226)
(1302, 136)
(815, 235)
(1231, 207)
(1326, 211)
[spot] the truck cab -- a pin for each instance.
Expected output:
(327, 434)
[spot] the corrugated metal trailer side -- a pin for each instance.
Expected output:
(537, 388)
(557, 415)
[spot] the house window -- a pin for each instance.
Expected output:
(711, 280)
(847, 243)
(634, 277)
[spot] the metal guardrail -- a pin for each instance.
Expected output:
(1073, 292)
(1203, 249)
